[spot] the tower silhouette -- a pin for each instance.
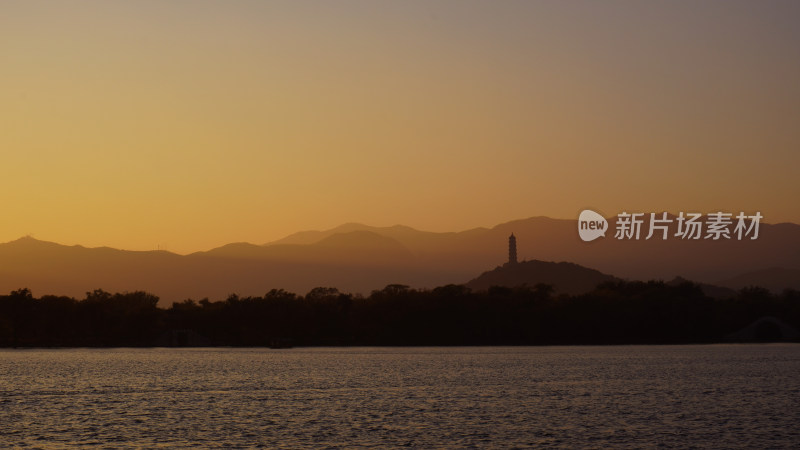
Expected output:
(512, 249)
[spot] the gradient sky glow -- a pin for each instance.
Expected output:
(190, 124)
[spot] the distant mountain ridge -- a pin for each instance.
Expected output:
(544, 238)
(336, 247)
(359, 258)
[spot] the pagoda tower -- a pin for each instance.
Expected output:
(512, 249)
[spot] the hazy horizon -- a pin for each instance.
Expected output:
(345, 224)
(188, 125)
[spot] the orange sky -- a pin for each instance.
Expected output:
(189, 124)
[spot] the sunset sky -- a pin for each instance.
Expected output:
(190, 124)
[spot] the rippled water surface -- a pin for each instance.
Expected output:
(703, 396)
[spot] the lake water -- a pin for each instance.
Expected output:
(718, 396)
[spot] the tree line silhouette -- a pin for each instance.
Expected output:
(614, 313)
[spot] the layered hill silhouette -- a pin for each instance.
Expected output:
(775, 279)
(548, 239)
(351, 263)
(359, 258)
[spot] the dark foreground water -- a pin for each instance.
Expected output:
(703, 396)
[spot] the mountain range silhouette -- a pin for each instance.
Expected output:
(359, 258)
